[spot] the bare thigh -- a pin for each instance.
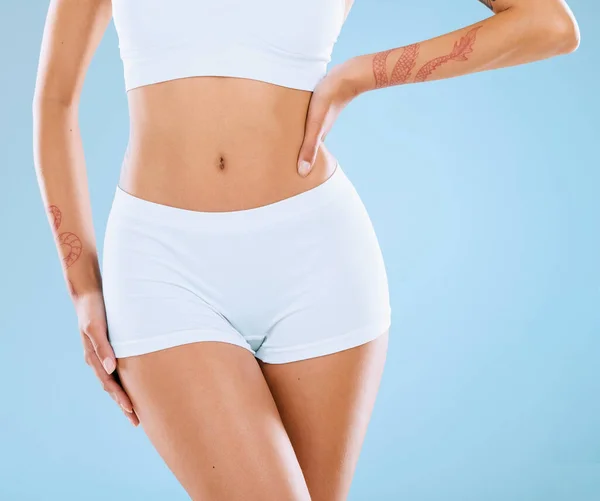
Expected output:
(210, 415)
(325, 404)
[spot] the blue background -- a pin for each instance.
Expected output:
(484, 193)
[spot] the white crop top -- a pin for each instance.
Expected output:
(285, 42)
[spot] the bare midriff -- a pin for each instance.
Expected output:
(218, 144)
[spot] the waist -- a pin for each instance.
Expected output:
(218, 144)
(336, 191)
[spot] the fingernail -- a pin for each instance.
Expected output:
(303, 168)
(109, 365)
(126, 409)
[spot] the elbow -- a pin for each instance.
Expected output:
(560, 30)
(566, 34)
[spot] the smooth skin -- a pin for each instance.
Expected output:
(228, 426)
(234, 429)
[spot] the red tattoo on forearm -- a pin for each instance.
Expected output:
(56, 216)
(70, 243)
(71, 246)
(408, 59)
(401, 71)
(461, 50)
(380, 68)
(405, 64)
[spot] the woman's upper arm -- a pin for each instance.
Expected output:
(72, 31)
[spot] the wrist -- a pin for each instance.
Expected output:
(84, 278)
(359, 74)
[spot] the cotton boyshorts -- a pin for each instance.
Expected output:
(298, 278)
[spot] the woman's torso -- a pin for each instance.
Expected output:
(214, 143)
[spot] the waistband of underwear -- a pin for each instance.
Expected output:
(335, 187)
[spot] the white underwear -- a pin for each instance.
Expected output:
(298, 278)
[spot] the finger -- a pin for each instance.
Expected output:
(132, 418)
(309, 148)
(96, 332)
(115, 376)
(109, 384)
(312, 139)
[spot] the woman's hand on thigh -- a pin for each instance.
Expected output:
(98, 353)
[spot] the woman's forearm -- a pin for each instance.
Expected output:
(60, 169)
(519, 34)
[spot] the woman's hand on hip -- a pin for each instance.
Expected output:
(98, 352)
(331, 95)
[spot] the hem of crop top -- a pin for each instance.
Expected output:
(234, 61)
